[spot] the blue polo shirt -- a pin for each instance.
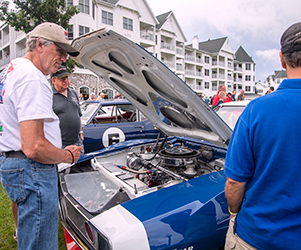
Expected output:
(265, 152)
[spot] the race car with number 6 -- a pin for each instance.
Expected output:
(108, 122)
(148, 194)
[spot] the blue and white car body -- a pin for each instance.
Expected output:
(148, 194)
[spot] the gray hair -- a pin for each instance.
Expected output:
(293, 60)
(31, 43)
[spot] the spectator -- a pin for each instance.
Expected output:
(270, 90)
(222, 97)
(92, 97)
(66, 107)
(118, 96)
(264, 183)
(206, 99)
(31, 138)
(233, 96)
(81, 97)
(216, 97)
(100, 96)
(241, 96)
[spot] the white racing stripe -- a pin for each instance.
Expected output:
(122, 228)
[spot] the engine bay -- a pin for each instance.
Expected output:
(130, 173)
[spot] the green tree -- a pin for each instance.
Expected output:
(27, 14)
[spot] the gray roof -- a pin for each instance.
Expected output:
(280, 74)
(162, 19)
(212, 46)
(109, 1)
(242, 56)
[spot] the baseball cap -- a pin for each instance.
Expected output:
(54, 33)
(291, 39)
(61, 72)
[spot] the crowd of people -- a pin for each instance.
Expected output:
(222, 96)
(263, 181)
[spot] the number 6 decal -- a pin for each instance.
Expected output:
(112, 136)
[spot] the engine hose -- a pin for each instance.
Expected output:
(161, 146)
(134, 171)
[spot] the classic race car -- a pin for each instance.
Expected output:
(111, 121)
(164, 193)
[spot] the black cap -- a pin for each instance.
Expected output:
(291, 39)
(61, 72)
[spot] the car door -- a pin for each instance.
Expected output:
(112, 124)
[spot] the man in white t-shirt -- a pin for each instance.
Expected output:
(30, 136)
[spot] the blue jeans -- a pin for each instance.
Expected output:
(34, 187)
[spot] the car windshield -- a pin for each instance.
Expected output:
(230, 114)
(88, 109)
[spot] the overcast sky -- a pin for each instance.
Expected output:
(256, 25)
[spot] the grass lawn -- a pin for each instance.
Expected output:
(7, 225)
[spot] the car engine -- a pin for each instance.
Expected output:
(151, 167)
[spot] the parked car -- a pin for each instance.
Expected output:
(165, 193)
(108, 122)
(230, 111)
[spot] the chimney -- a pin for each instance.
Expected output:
(195, 42)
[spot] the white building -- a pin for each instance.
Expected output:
(202, 65)
(275, 79)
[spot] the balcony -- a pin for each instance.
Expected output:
(146, 35)
(169, 64)
(19, 33)
(190, 58)
(189, 72)
(179, 67)
(198, 87)
(179, 51)
(21, 53)
(4, 61)
(198, 73)
(168, 46)
(6, 39)
(238, 69)
(238, 80)
(198, 60)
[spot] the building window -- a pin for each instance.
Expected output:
(83, 30)
(207, 59)
(107, 17)
(206, 85)
(83, 6)
(248, 78)
(127, 23)
(248, 66)
(70, 34)
(248, 88)
(69, 3)
(214, 86)
(207, 72)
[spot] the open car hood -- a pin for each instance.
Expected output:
(168, 102)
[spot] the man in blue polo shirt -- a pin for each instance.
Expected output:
(262, 164)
